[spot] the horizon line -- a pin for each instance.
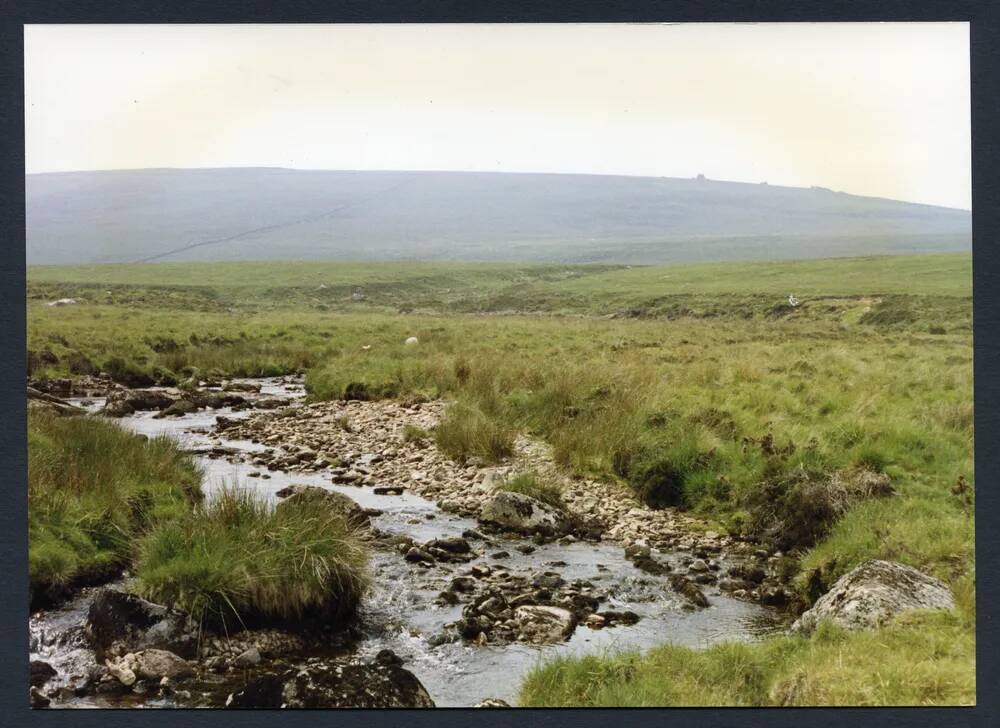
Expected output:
(697, 178)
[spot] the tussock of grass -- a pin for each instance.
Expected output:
(531, 485)
(93, 487)
(235, 560)
(467, 431)
(919, 659)
(412, 433)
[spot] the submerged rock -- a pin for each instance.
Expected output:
(335, 686)
(524, 514)
(873, 593)
(689, 590)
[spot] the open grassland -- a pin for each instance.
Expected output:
(464, 287)
(697, 385)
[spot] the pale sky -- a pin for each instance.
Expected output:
(874, 109)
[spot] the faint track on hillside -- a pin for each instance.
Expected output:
(276, 226)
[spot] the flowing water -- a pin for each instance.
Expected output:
(399, 612)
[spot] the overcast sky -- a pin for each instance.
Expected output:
(873, 109)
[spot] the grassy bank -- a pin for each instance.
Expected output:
(236, 560)
(93, 489)
(920, 659)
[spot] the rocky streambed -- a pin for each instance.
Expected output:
(471, 585)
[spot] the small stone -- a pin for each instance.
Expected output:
(462, 584)
(491, 703)
(248, 658)
(388, 657)
(637, 550)
(415, 555)
(698, 566)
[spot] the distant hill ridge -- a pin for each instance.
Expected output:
(282, 214)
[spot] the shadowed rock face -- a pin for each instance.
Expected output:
(335, 686)
(874, 592)
(120, 620)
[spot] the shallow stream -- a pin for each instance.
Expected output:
(399, 611)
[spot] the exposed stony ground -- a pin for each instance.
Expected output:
(362, 443)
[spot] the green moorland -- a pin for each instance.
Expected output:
(699, 385)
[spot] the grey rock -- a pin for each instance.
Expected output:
(335, 686)
(523, 514)
(873, 593)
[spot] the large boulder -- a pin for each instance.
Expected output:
(523, 514)
(542, 624)
(335, 686)
(119, 622)
(336, 502)
(873, 593)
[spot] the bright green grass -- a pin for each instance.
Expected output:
(92, 489)
(235, 560)
(920, 659)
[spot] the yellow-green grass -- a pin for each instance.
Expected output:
(923, 659)
(237, 561)
(531, 484)
(93, 489)
(896, 397)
